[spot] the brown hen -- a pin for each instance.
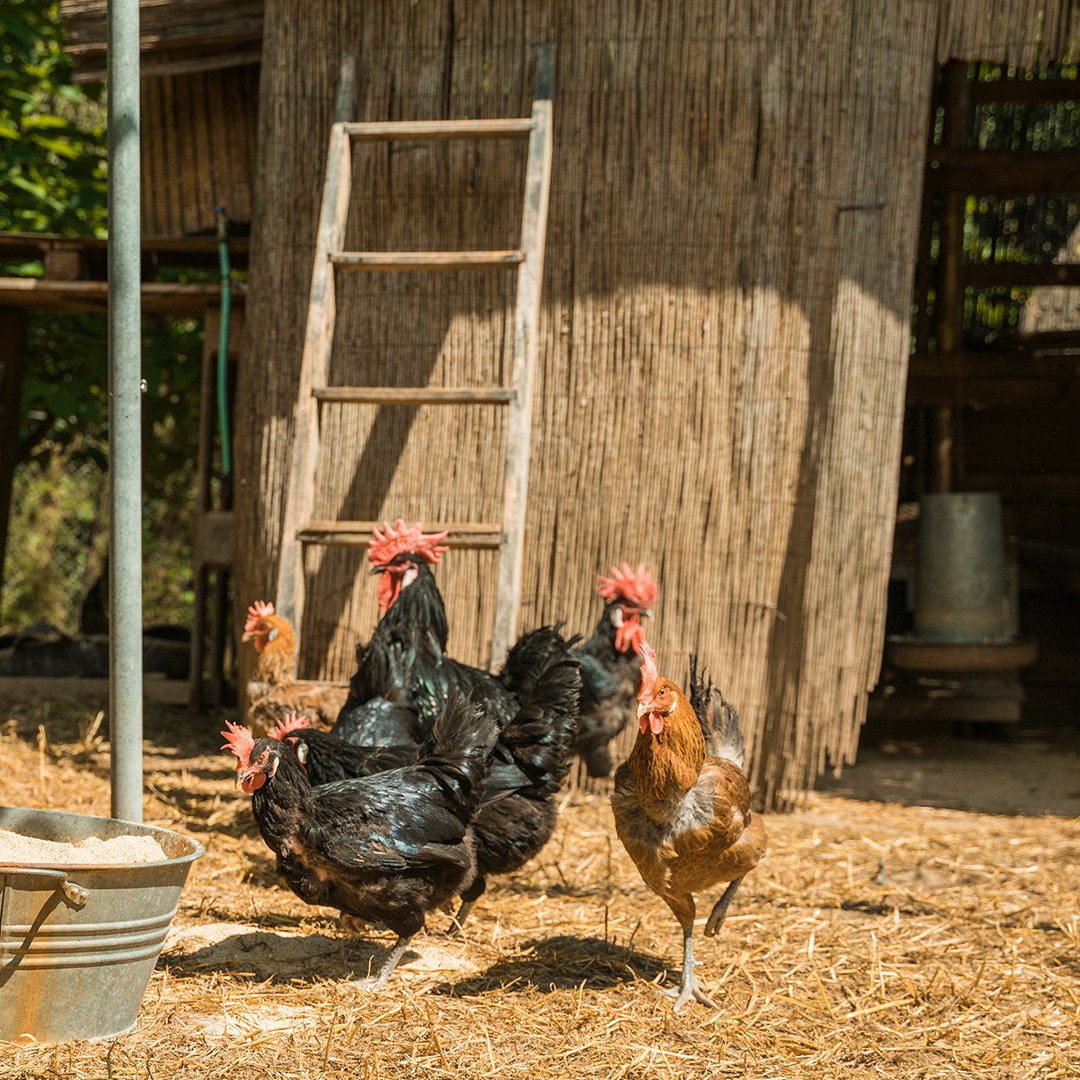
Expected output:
(682, 805)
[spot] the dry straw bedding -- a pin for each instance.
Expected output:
(874, 940)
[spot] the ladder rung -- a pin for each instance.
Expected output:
(415, 395)
(441, 129)
(426, 260)
(463, 534)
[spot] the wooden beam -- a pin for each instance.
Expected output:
(949, 393)
(36, 245)
(993, 365)
(1026, 275)
(1024, 91)
(174, 298)
(961, 170)
(153, 66)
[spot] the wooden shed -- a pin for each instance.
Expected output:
(725, 332)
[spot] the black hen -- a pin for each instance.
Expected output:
(530, 762)
(386, 848)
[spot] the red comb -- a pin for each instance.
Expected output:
(648, 671)
(293, 722)
(240, 741)
(411, 538)
(259, 610)
(638, 586)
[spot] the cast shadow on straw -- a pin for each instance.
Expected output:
(561, 963)
(262, 955)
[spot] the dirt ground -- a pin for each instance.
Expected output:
(875, 940)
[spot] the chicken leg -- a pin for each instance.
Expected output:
(719, 911)
(378, 980)
(689, 987)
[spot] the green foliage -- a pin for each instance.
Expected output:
(53, 179)
(52, 133)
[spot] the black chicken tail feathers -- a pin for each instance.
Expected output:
(717, 716)
(530, 657)
(459, 750)
(541, 734)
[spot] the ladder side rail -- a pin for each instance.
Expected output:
(314, 371)
(526, 347)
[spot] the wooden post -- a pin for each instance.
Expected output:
(12, 334)
(950, 292)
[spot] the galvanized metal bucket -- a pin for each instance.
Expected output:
(961, 592)
(78, 942)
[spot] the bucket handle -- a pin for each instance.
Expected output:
(75, 894)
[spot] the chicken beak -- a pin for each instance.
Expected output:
(379, 569)
(642, 709)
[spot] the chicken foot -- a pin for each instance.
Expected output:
(378, 980)
(719, 911)
(689, 987)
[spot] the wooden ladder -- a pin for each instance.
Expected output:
(298, 527)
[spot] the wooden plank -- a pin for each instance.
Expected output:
(441, 129)
(1024, 91)
(174, 298)
(425, 260)
(526, 341)
(463, 534)
(1005, 274)
(35, 245)
(1003, 172)
(315, 360)
(949, 393)
(415, 395)
(1037, 341)
(188, 64)
(992, 365)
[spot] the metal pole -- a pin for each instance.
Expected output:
(125, 404)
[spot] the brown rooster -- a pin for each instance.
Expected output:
(682, 805)
(273, 690)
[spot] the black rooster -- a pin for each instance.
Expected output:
(610, 663)
(386, 848)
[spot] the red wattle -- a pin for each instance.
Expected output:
(656, 722)
(629, 636)
(389, 584)
(253, 783)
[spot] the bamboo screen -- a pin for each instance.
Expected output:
(735, 203)
(198, 149)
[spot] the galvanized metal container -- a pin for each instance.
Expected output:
(78, 943)
(961, 591)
